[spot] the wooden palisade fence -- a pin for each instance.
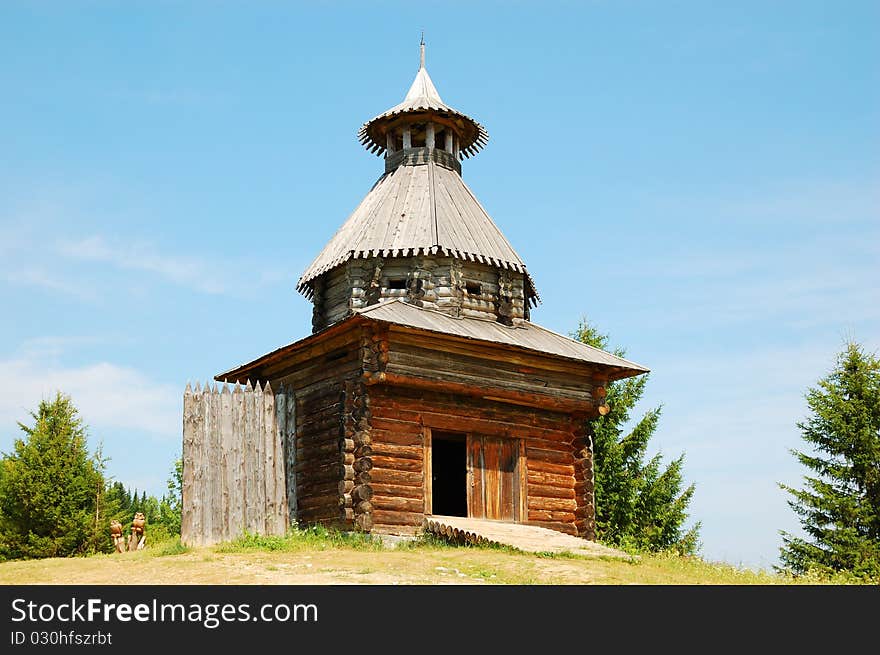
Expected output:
(235, 449)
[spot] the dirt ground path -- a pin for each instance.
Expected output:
(333, 566)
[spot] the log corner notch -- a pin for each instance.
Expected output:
(584, 480)
(374, 352)
(600, 398)
(356, 492)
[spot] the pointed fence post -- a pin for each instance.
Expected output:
(259, 461)
(189, 436)
(282, 516)
(290, 445)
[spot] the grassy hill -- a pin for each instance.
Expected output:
(319, 557)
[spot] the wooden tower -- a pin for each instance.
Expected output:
(425, 389)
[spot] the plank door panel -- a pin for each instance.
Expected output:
(508, 478)
(476, 464)
(495, 481)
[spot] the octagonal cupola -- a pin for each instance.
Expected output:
(420, 234)
(425, 124)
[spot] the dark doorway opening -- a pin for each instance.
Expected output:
(449, 474)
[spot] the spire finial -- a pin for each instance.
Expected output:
(422, 51)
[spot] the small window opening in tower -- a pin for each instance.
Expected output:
(418, 135)
(397, 283)
(473, 288)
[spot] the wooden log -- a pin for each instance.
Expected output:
(318, 467)
(412, 404)
(388, 517)
(290, 454)
(412, 437)
(475, 421)
(559, 526)
(384, 449)
(321, 487)
(324, 451)
(214, 506)
(554, 456)
(325, 474)
(398, 491)
(391, 476)
(475, 386)
(364, 521)
(540, 466)
(329, 512)
(249, 458)
(189, 459)
(546, 515)
(398, 504)
(270, 436)
(535, 477)
(362, 492)
(227, 467)
(396, 463)
(310, 504)
(543, 502)
(536, 490)
(362, 464)
(237, 425)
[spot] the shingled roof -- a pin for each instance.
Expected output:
(418, 210)
(527, 335)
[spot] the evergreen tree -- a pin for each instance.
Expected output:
(51, 489)
(839, 508)
(172, 503)
(638, 504)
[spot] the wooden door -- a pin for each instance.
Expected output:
(495, 478)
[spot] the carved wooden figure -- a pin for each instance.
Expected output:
(138, 537)
(116, 536)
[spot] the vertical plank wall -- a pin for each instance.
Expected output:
(236, 444)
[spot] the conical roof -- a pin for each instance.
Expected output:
(424, 97)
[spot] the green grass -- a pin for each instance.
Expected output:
(167, 548)
(298, 539)
(317, 555)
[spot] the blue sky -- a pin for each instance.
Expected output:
(699, 179)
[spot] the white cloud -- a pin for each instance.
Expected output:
(187, 271)
(111, 398)
(44, 280)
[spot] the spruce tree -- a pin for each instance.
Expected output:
(839, 506)
(51, 489)
(638, 504)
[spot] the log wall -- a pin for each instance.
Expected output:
(323, 382)
(453, 286)
(558, 470)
